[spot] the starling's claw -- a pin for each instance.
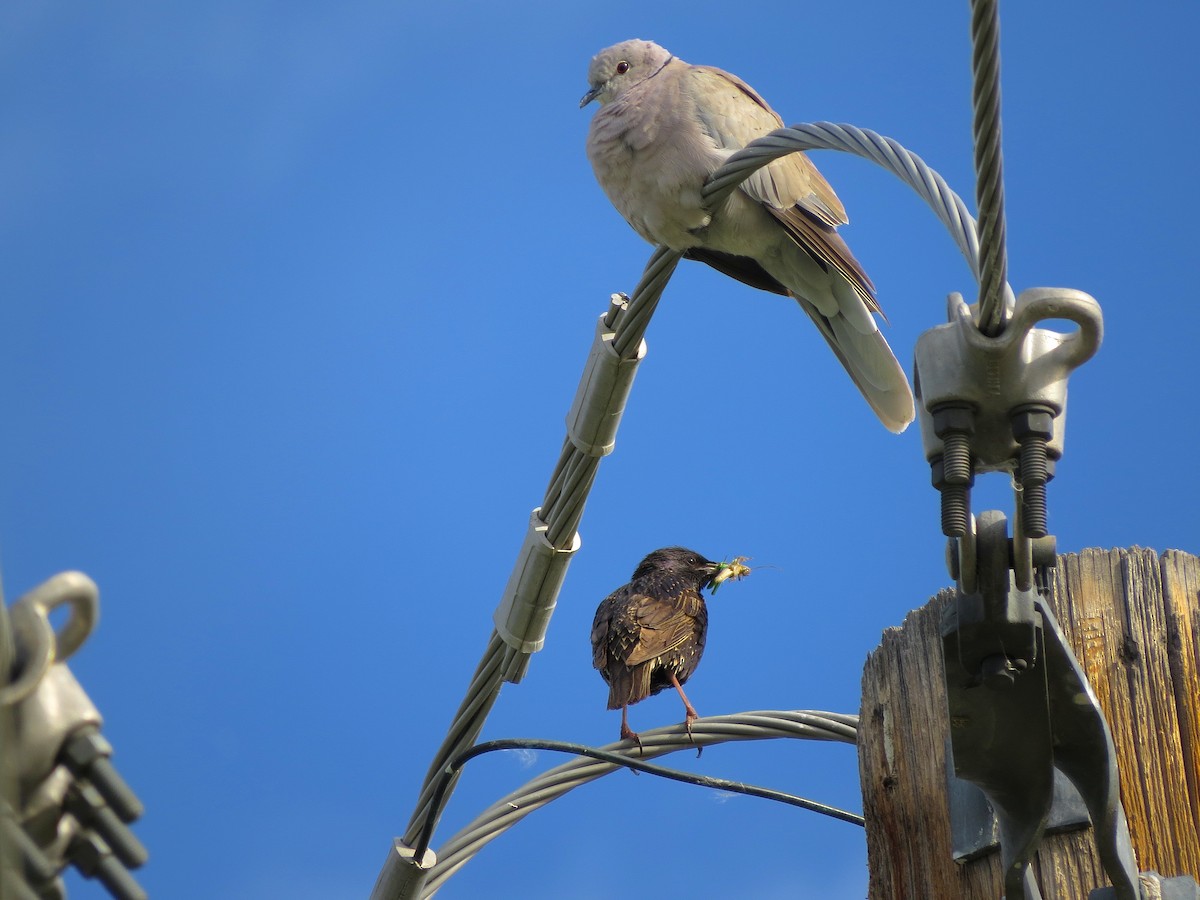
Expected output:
(628, 734)
(690, 717)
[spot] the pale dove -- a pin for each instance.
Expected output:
(663, 127)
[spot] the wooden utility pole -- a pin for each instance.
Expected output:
(1133, 621)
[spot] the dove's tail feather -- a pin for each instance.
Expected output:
(871, 365)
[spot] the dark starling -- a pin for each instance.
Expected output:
(649, 634)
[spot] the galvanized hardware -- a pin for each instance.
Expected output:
(530, 596)
(1019, 708)
(989, 404)
(64, 802)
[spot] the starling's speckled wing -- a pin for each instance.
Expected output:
(600, 628)
(662, 625)
(633, 632)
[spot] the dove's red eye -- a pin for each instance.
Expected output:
(622, 67)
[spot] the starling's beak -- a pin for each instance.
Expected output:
(589, 97)
(712, 570)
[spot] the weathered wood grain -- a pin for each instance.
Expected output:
(1181, 595)
(1133, 622)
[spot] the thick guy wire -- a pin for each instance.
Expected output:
(989, 163)
(623, 760)
(552, 784)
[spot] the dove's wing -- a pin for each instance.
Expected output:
(791, 188)
(840, 297)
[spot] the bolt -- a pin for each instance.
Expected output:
(955, 509)
(1033, 426)
(952, 472)
(999, 672)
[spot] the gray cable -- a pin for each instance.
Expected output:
(464, 730)
(989, 164)
(748, 726)
(637, 764)
(884, 151)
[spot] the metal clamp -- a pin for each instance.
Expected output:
(989, 404)
(603, 391)
(403, 875)
(38, 644)
(1019, 704)
(529, 598)
(64, 803)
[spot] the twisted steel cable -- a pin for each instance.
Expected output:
(464, 730)
(989, 163)
(891, 155)
(748, 726)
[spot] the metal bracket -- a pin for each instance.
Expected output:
(1020, 707)
(974, 829)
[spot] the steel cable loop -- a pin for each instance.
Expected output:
(507, 811)
(884, 151)
(989, 162)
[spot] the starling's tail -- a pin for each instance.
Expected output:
(628, 686)
(618, 690)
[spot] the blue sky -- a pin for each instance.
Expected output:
(296, 297)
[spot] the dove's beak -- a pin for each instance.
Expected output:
(589, 97)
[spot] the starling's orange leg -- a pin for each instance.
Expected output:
(627, 733)
(689, 710)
